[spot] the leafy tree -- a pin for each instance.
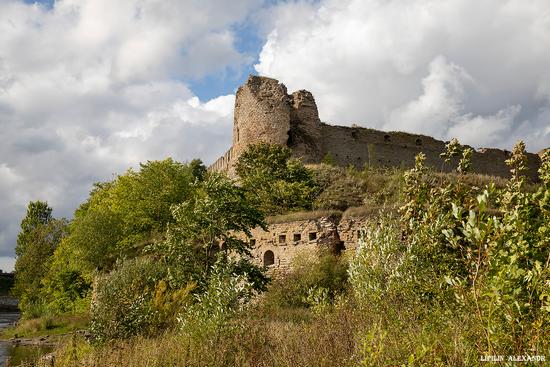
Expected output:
(206, 226)
(38, 213)
(119, 219)
(32, 263)
(203, 243)
(274, 180)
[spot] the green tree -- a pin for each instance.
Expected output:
(32, 263)
(209, 224)
(274, 180)
(38, 213)
(123, 216)
(118, 220)
(203, 242)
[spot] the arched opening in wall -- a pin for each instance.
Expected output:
(386, 138)
(269, 258)
(354, 134)
(418, 142)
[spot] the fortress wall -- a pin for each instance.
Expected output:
(363, 147)
(264, 112)
(350, 231)
(289, 240)
(224, 163)
(295, 239)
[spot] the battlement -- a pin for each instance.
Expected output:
(265, 112)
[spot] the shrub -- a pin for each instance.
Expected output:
(226, 294)
(123, 304)
(314, 277)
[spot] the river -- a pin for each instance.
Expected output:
(17, 354)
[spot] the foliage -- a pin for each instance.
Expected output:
(6, 284)
(119, 219)
(314, 280)
(200, 247)
(382, 263)
(274, 180)
(40, 235)
(226, 293)
(122, 216)
(460, 253)
(124, 301)
(38, 213)
(207, 224)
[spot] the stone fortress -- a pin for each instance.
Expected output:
(265, 112)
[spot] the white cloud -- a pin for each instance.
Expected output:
(437, 67)
(92, 87)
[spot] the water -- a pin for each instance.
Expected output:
(20, 353)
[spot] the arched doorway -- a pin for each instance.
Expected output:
(269, 258)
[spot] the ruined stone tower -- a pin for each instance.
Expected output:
(262, 113)
(265, 112)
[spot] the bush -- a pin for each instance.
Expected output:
(226, 294)
(450, 280)
(123, 305)
(313, 280)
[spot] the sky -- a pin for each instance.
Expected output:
(90, 88)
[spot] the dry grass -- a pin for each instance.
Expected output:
(369, 211)
(296, 216)
(258, 340)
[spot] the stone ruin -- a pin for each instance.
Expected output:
(265, 112)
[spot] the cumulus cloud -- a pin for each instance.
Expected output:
(92, 87)
(459, 68)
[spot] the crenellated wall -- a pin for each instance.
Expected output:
(264, 112)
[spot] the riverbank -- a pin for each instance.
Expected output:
(28, 340)
(46, 328)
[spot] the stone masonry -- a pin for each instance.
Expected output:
(284, 242)
(265, 112)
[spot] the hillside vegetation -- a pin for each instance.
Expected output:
(453, 268)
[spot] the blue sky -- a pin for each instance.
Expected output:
(89, 88)
(47, 3)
